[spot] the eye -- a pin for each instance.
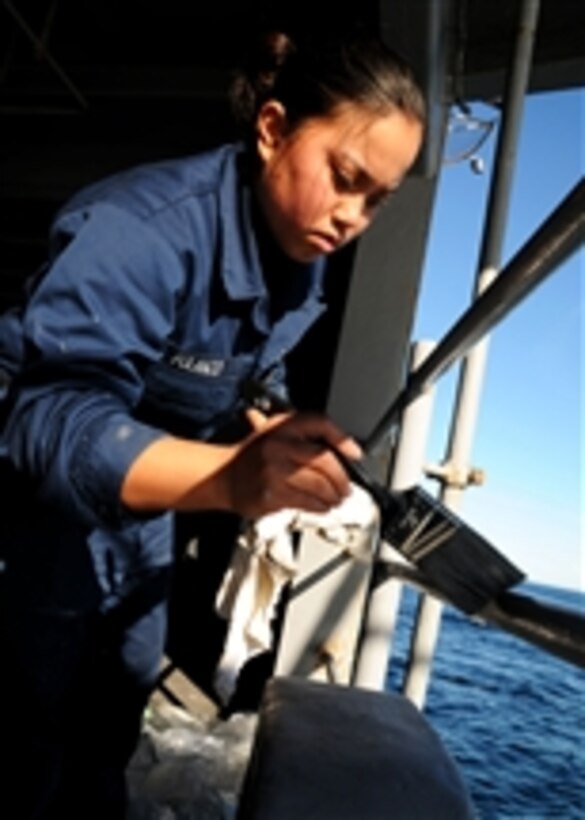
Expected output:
(377, 200)
(342, 179)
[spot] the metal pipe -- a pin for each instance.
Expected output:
(557, 630)
(428, 618)
(490, 258)
(410, 453)
(559, 236)
(422, 649)
(380, 617)
(506, 149)
(552, 628)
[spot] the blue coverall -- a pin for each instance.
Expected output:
(151, 312)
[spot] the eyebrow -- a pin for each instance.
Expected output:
(364, 173)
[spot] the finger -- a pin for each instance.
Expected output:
(286, 444)
(320, 427)
(299, 500)
(288, 496)
(262, 424)
(256, 419)
(295, 465)
(320, 467)
(284, 459)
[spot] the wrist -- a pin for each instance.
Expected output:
(224, 483)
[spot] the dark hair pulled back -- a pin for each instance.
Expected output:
(312, 76)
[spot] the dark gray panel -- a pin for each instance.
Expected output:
(379, 310)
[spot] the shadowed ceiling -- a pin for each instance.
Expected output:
(87, 88)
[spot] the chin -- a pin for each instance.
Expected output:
(307, 256)
(308, 251)
(303, 254)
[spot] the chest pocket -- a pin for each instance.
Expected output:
(194, 396)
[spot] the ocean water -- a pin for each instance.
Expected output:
(511, 714)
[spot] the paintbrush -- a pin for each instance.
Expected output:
(456, 560)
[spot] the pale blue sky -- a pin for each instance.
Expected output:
(529, 438)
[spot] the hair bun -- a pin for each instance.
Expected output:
(271, 53)
(254, 81)
(278, 47)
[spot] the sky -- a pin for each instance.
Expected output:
(529, 435)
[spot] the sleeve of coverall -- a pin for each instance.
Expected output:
(99, 315)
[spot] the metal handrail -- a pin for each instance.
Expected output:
(557, 630)
(553, 242)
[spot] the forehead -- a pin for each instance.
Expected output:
(381, 144)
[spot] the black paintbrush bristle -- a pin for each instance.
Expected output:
(462, 566)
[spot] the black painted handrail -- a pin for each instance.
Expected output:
(560, 235)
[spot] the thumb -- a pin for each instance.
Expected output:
(256, 419)
(260, 422)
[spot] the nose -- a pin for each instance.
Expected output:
(350, 214)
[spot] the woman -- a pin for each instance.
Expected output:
(167, 287)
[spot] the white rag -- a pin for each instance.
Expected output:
(263, 563)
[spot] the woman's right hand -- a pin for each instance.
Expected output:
(285, 463)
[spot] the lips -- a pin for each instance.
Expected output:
(327, 243)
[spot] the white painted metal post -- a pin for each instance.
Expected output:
(422, 649)
(382, 611)
(455, 472)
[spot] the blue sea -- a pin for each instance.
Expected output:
(511, 714)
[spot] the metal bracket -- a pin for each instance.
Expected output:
(450, 475)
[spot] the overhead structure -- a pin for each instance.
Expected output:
(89, 88)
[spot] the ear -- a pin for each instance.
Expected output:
(271, 128)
